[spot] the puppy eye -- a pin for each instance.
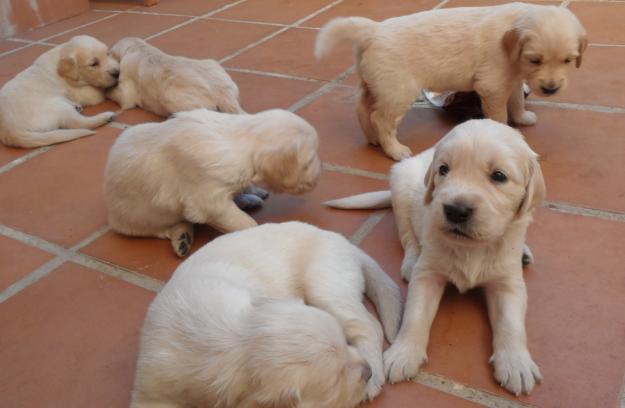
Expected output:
(566, 61)
(443, 170)
(94, 63)
(498, 176)
(536, 61)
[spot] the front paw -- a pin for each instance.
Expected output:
(398, 152)
(407, 266)
(402, 361)
(528, 256)
(516, 371)
(374, 386)
(527, 118)
(78, 108)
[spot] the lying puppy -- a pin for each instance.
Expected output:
(268, 317)
(164, 84)
(466, 225)
(162, 177)
(42, 104)
(490, 50)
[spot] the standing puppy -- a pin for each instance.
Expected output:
(162, 177)
(465, 225)
(490, 50)
(165, 84)
(268, 317)
(42, 104)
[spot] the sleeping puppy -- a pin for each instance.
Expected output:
(490, 50)
(268, 317)
(162, 177)
(164, 84)
(42, 104)
(465, 225)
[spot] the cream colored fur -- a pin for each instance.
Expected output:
(484, 252)
(491, 50)
(42, 104)
(165, 84)
(162, 177)
(268, 317)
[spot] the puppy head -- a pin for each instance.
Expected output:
(125, 45)
(543, 44)
(483, 178)
(86, 61)
(286, 157)
(297, 356)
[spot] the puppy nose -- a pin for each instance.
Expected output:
(115, 73)
(457, 213)
(366, 372)
(550, 90)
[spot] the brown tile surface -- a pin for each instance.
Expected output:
(8, 154)
(124, 25)
(115, 4)
(372, 9)
(15, 62)
(260, 92)
(74, 343)
(63, 25)
(575, 311)
(18, 260)
(274, 11)
(210, 38)
(582, 156)
(58, 195)
(6, 45)
(190, 7)
(291, 52)
(603, 21)
(154, 257)
(408, 395)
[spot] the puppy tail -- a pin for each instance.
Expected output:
(367, 201)
(357, 30)
(25, 138)
(385, 295)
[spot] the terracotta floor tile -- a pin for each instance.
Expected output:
(582, 156)
(218, 39)
(190, 7)
(123, 25)
(64, 25)
(291, 52)
(408, 395)
(599, 81)
(603, 21)
(18, 260)
(575, 311)
(273, 11)
(8, 154)
(260, 92)
(342, 140)
(15, 62)
(154, 257)
(58, 195)
(116, 4)
(70, 340)
(6, 45)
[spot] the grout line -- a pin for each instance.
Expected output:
(457, 389)
(606, 45)
(321, 91)
(565, 3)
(155, 13)
(577, 106)
(2, 54)
(274, 74)
(79, 27)
(234, 20)
(24, 158)
(584, 211)
(352, 171)
(367, 226)
(39, 273)
(440, 5)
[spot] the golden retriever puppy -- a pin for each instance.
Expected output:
(490, 50)
(162, 177)
(42, 104)
(268, 317)
(164, 84)
(465, 225)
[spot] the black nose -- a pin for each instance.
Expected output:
(550, 90)
(115, 74)
(457, 213)
(366, 372)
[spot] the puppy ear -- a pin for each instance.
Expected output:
(583, 44)
(513, 41)
(535, 190)
(429, 182)
(276, 164)
(68, 67)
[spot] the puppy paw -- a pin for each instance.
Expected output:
(374, 386)
(402, 361)
(110, 116)
(407, 266)
(528, 256)
(182, 244)
(528, 118)
(516, 371)
(78, 108)
(248, 201)
(398, 152)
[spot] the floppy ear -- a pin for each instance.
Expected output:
(583, 44)
(535, 190)
(276, 164)
(429, 182)
(68, 67)
(512, 42)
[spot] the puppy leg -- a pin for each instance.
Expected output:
(229, 219)
(494, 105)
(385, 124)
(365, 107)
(403, 359)
(514, 368)
(516, 108)
(181, 237)
(74, 120)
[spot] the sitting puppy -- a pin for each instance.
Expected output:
(164, 84)
(490, 50)
(466, 225)
(161, 177)
(268, 317)
(42, 104)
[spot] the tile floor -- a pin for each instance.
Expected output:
(73, 294)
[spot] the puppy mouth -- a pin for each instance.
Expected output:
(457, 233)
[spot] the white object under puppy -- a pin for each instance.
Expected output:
(462, 210)
(268, 317)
